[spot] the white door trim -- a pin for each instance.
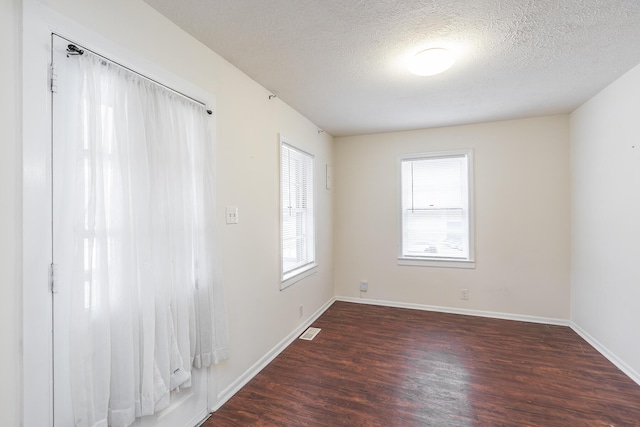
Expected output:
(38, 23)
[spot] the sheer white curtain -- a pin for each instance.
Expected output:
(146, 300)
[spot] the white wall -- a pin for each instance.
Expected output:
(521, 218)
(10, 208)
(605, 217)
(248, 127)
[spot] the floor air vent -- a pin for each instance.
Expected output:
(310, 334)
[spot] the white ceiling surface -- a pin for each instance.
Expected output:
(341, 62)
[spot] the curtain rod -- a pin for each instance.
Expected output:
(73, 49)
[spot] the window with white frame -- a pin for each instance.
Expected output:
(297, 213)
(437, 209)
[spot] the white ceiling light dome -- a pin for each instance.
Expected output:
(430, 62)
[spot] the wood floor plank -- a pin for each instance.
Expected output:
(382, 366)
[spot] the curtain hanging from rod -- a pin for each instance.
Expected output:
(139, 225)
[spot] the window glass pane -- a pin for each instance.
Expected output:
(298, 227)
(435, 207)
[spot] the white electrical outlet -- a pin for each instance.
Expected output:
(464, 293)
(300, 311)
(364, 286)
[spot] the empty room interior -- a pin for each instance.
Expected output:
(460, 232)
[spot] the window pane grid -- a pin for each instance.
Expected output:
(435, 207)
(297, 213)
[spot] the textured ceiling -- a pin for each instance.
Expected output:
(341, 62)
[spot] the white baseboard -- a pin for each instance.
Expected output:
(620, 364)
(248, 375)
(451, 310)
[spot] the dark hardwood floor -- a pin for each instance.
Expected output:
(380, 366)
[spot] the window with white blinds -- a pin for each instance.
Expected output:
(297, 212)
(437, 220)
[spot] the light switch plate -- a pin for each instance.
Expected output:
(232, 215)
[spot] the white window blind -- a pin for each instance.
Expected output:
(436, 214)
(297, 213)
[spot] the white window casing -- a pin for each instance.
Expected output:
(436, 209)
(297, 214)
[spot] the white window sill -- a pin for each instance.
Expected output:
(298, 275)
(447, 263)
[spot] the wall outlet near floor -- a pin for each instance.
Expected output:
(364, 286)
(464, 293)
(300, 311)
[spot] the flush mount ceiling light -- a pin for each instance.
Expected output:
(431, 62)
